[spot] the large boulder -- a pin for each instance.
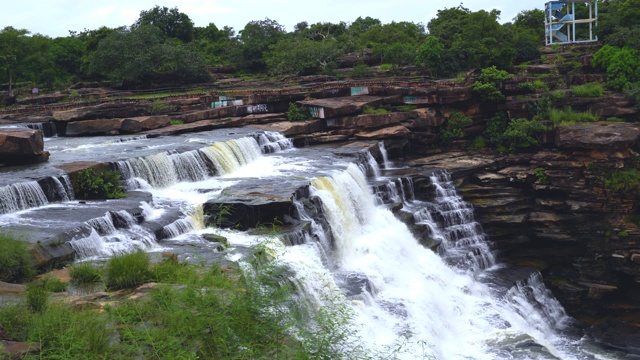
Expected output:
(94, 127)
(141, 123)
(597, 136)
(250, 205)
(22, 146)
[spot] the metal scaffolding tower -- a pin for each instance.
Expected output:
(561, 15)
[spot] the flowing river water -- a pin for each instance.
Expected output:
(405, 300)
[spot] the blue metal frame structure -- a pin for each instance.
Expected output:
(560, 15)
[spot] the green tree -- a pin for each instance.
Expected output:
(256, 38)
(171, 22)
(301, 56)
(621, 64)
(13, 51)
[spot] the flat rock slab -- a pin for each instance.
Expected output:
(291, 128)
(603, 135)
(392, 132)
(141, 123)
(94, 127)
(251, 204)
(102, 111)
(341, 106)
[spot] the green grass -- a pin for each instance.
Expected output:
(15, 260)
(176, 122)
(623, 182)
(85, 273)
(568, 116)
(128, 270)
(196, 312)
(371, 110)
(588, 90)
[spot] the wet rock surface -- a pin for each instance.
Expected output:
(22, 146)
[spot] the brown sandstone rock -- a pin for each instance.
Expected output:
(386, 133)
(107, 110)
(597, 136)
(141, 123)
(94, 127)
(369, 120)
(340, 106)
(23, 146)
(290, 128)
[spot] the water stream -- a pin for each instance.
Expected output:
(406, 301)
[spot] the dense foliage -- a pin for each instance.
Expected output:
(103, 184)
(163, 45)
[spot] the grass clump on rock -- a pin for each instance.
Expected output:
(128, 270)
(15, 260)
(85, 273)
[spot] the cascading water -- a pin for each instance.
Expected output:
(20, 196)
(408, 303)
(464, 244)
(106, 239)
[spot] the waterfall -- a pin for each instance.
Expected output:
(464, 243)
(48, 129)
(192, 222)
(113, 234)
(165, 169)
(21, 196)
(271, 142)
(63, 187)
(385, 157)
(406, 301)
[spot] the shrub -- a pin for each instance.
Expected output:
(159, 107)
(371, 110)
(297, 113)
(15, 260)
(488, 91)
(621, 64)
(526, 87)
(522, 134)
(623, 182)
(588, 90)
(540, 86)
(37, 297)
(51, 284)
(541, 177)
(386, 67)
(558, 95)
(455, 127)
(360, 71)
(492, 74)
(128, 270)
(85, 273)
(103, 184)
(496, 126)
(405, 108)
(568, 116)
(176, 122)
(632, 92)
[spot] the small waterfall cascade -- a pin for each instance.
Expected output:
(398, 190)
(48, 129)
(534, 302)
(117, 232)
(63, 187)
(271, 141)
(221, 158)
(21, 196)
(386, 164)
(464, 244)
(192, 222)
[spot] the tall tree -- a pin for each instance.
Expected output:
(256, 37)
(171, 22)
(13, 51)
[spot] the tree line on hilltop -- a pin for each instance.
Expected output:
(164, 44)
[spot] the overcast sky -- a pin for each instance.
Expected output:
(56, 17)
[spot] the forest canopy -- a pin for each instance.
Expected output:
(163, 44)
